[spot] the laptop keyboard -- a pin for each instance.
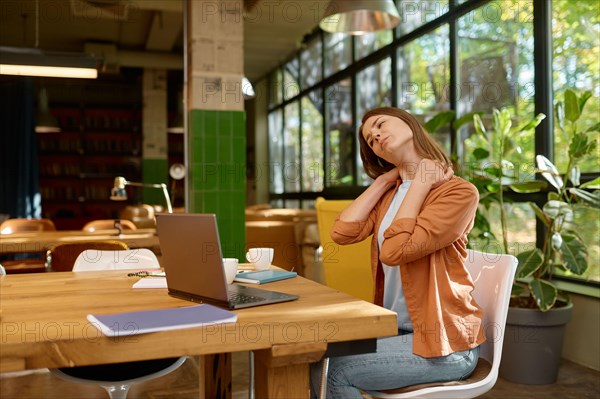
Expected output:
(237, 298)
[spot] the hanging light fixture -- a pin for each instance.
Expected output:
(45, 122)
(357, 17)
(36, 62)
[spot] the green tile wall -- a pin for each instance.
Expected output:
(217, 158)
(154, 171)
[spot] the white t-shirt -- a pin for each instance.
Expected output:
(393, 294)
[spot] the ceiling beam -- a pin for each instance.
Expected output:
(164, 31)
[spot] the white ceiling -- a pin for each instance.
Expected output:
(147, 31)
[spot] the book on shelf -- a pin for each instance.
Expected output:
(147, 321)
(263, 276)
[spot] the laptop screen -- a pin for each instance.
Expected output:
(191, 254)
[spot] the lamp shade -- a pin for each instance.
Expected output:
(118, 192)
(357, 17)
(45, 122)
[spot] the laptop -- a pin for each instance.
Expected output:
(193, 264)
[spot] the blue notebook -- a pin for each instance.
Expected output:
(146, 321)
(263, 276)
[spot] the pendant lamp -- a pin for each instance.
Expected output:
(45, 122)
(357, 17)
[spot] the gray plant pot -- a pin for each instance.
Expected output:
(533, 344)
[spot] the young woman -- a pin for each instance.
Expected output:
(419, 214)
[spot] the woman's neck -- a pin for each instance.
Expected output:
(407, 168)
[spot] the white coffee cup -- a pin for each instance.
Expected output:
(230, 265)
(261, 258)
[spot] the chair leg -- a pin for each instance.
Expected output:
(251, 375)
(117, 391)
(324, 371)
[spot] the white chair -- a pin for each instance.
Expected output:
(94, 259)
(493, 276)
(117, 378)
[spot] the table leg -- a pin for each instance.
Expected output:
(282, 372)
(214, 372)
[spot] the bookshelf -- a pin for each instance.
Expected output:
(78, 165)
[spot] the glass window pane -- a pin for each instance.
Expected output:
(312, 142)
(275, 88)
(338, 52)
(369, 42)
(276, 152)
(373, 89)
(496, 68)
(291, 155)
(424, 76)
(576, 65)
(414, 13)
(311, 63)
(521, 225)
(291, 88)
(339, 133)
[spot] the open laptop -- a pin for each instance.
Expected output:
(193, 263)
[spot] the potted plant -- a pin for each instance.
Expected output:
(539, 311)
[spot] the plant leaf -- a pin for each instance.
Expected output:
(558, 209)
(532, 124)
(463, 120)
(517, 290)
(479, 126)
(594, 184)
(583, 99)
(592, 199)
(572, 111)
(540, 214)
(574, 254)
(529, 262)
(532, 186)
(574, 175)
(559, 111)
(549, 171)
(580, 146)
(594, 128)
(441, 119)
(480, 153)
(544, 293)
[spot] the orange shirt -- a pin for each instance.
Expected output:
(431, 251)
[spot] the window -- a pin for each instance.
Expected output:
(313, 172)
(576, 62)
(411, 67)
(373, 89)
(340, 135)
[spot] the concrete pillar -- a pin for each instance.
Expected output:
(216, 139)
(154, 127)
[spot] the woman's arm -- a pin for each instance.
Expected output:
(448, 218)
(362, 206)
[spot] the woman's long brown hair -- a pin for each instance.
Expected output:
(425, 145)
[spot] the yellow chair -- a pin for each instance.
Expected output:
(347, 267)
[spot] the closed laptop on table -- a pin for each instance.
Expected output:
(193, 263)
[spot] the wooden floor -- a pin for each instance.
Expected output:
(574, 382)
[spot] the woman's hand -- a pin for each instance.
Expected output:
(389, 178)
(433, 173)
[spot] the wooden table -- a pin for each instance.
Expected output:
(41, 241)
(43, 324)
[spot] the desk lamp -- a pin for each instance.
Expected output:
(118, 192)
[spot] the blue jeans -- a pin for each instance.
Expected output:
(393, 366)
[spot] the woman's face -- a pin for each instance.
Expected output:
(388, 136)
